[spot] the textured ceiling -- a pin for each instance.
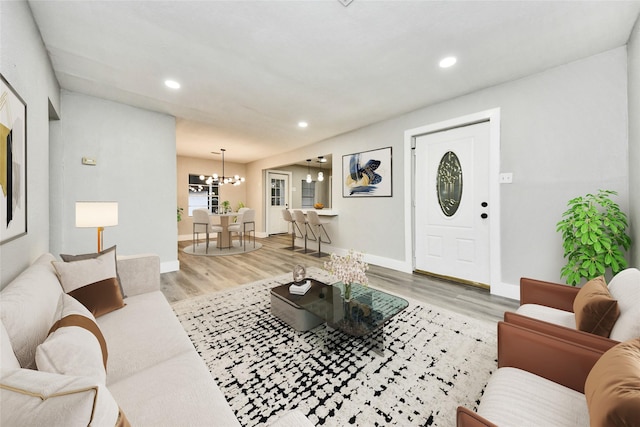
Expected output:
(250, 70)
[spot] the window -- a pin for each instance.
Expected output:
(277, 192)
(202, 195)
(308, 193)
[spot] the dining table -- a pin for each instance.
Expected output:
(224, 242)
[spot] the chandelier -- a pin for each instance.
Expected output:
(221, 180)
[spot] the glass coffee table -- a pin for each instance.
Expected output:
(363, 316)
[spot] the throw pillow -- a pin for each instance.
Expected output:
(612, 389)
(35, 398)
(28, 306)
(625, 287)
(596, 311)
(81, 257)
(92, 282)
(75, 345)
(8, 358)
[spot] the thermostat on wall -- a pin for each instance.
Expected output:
(88, 161)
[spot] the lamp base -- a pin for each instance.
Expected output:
(100, 230)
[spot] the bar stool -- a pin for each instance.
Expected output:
(314, 221)
(303, 226)
(286, 215)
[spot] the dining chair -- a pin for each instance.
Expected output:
(236, 227)
(202, 224)
(248, 225)
(314, 221)
(303, 226)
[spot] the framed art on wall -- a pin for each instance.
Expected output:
(13, 163)
(367, 174)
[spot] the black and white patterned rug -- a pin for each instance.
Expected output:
(434, 360)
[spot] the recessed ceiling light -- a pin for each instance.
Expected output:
(448, 61)
(172, 84)
(303, 124)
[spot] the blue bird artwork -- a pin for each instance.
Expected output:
(362, 179)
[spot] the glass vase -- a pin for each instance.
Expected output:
(347, 292)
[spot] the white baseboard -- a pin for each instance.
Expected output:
(169, 266)
(506, 290)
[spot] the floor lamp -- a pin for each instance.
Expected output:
(97, 214)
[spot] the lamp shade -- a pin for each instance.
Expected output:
(96, 214)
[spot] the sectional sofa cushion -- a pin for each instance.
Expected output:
(93, 282)
(27, 307)
(156, 355)
(612, 389)
(43, 399)
(625, 287)
(75, 345)
(596, 311)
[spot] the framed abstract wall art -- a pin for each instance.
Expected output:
(367, 174)
(13, 163)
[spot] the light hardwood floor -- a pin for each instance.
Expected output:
(201, 275)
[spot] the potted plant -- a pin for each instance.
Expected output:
(594, 237)
(226, 206)
(180, 210)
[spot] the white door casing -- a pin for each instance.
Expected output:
(277, 198)
(452, 236)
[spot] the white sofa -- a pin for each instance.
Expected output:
(154, 375)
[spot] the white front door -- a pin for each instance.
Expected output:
(277, 200)
(452, 203)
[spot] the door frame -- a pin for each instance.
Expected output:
(267, 194)
(493, 115)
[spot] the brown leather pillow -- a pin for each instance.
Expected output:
(596, 311)
(612, 389)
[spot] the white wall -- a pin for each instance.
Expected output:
(633, 52)
(564, 133)
(136, 166)
(25, 65)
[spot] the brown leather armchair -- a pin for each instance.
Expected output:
(550, 308)
(541, 355)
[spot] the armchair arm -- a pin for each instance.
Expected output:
(139, 274)
(578, 337)
(549, 294)
(555, 359)
(467, 418)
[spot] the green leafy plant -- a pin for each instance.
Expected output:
(240, 206)
(226, 206)
(594, 237)
(180, 210)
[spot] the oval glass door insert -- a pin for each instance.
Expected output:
(449, 183)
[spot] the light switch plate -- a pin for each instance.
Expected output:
(88, 161)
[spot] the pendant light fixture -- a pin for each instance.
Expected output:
(321, 160)
(309, 171)
(221, 180)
